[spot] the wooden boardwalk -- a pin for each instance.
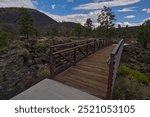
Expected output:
(84, 76)
(90, 74)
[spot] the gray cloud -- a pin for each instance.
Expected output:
(17, 3)
(98, 5)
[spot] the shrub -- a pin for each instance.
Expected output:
(4, 40)
(16, 44)
(139, 76)
(129, 89)
(43, 73)
(144, 34)
(124, 70)
(43, 45)
(134, 74)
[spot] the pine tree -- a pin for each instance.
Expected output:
(88, 28)
(144, 34)
(78, 30)
(25, 23)
(88, 23)
(106, 18)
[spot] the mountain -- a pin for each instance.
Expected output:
(68, 25)
(40, 20)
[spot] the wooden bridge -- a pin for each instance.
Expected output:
(90, 66)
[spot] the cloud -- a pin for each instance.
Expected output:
(130, 17)
(77, 18)
(18, 3)
(146, 10)
(129, 9)
(53, 6)
(146, 19)
(98, 5)
(81, 18)
(124, 24)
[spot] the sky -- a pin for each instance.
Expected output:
(128, 12)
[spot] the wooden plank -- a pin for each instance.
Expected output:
(90, 74)
(83, 87)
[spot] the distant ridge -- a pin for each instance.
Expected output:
(40, 20)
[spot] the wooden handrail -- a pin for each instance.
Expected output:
(73, 51)
(116, 49)
(69, 49)
(114, 63)
(70, 43)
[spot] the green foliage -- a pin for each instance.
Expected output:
(124, 70)
(44, 73)
(4, 40)
(106, 18)
(144, 34)
(87, 31)
(88, 23)
(53, 32)
(10, 29)
(16, 44)
(78, 30)
(129, 89)
(25, 23)
(134, 74)
(43, 45)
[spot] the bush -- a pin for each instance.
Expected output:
(144, 34)
(134, 74)
(43, 45)
(127, 89)
(16, 44)
(124, 70)
(4, 40)
(43, 73)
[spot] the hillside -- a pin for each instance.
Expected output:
(10, 15)
(41, 21)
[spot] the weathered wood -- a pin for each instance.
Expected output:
(65, 58)
(90, 74)
(113, 67)
(52, 66)
(75, 53)
(72, 53)
(82, 52)
(98, 71)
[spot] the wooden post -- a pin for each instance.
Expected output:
(94, 45)
(51, 59)
(110, 77)
(99, 42)
(75, 53)
(102, 43)
(106, 42)
(87, 48)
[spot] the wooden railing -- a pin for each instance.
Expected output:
(114, 66)
(63, 56)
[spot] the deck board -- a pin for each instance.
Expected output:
(90, 74)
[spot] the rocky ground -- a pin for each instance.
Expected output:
(137, 57)
(24, 64)
(18, 71)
